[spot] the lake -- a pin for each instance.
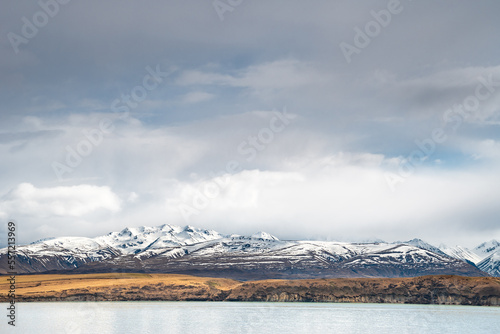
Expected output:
(248, 317)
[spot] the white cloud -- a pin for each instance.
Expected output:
(132, 197)
(75, 201)
(346, 198)
(484, 149)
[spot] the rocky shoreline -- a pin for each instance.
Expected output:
(439, 290)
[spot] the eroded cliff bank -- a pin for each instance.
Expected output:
(446, 290)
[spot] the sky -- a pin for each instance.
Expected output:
(326, 120)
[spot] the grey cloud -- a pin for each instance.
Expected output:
(264, 55)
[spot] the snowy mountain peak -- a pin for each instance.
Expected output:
(461, 253)
(487, 248)
(132, 240)
(264, 236)
(189, 228)
(171, 248)
(424, 245)
(486, 256)
(416, 240)
(41, 240)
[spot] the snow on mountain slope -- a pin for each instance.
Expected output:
(258, 257)
(487, 248)
(491, 264)
(135, 240)
(490, 253)
(170, 248)
(249, 258)
(486, 256)
(461, 253)
(72, 252)
(264, 236)
(59, 254)
(424, 245)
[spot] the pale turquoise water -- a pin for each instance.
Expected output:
(236, 317)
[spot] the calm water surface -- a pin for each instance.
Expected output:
(248, 317)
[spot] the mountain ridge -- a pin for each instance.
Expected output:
(190, 250)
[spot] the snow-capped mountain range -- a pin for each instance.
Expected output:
(190, 250)
(486, 256)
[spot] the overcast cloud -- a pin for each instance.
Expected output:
(333, 120)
